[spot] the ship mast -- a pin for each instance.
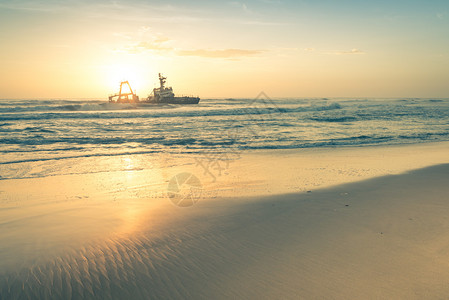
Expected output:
(162, 80)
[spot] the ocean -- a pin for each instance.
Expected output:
(39, 138)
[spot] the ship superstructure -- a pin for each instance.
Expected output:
(164, 94)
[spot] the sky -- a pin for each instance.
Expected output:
(303, 48)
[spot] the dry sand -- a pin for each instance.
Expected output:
(356, 223)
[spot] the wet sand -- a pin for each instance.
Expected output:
(334, 223)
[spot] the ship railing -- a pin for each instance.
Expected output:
(183, 95)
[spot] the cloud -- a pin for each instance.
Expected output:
(441, 15)
(350, 52)
(160, 47)
(33, 6)
(271, 1)
(241, 6)
(353, 51)
(122, 35)
(142, 46)
(225, 53)
(162, 39)
(146, 40)
(255, 22)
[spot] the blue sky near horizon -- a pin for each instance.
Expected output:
(225, 48)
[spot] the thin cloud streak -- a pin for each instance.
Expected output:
(241, 6)
(162, 45)
(353, 51)
(225, 53)
(33, 6)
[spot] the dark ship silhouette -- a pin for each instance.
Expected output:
(160, 95)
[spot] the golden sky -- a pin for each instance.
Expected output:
(348, 48)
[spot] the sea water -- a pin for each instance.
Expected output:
(37, 133)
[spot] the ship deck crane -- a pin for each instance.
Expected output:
(130, 97)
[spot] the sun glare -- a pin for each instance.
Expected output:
(136, 76)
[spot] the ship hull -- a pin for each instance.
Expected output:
(173, 100)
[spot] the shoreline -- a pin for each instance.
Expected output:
(356, 222)
(182, 157)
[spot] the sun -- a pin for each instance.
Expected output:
(139, 70)
(134, 74)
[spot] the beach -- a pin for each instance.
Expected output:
(355, 222)
(216, 150)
